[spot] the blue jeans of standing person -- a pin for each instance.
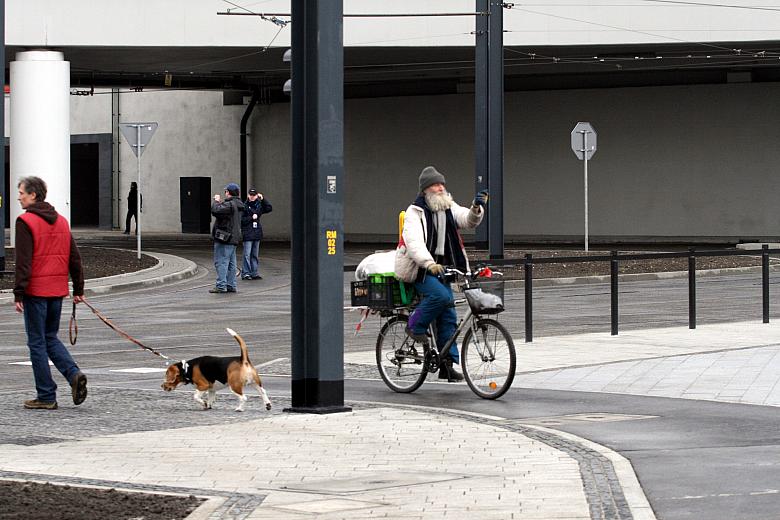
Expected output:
(225, 264)
(42, 323)
(251, 258)
(437, 305)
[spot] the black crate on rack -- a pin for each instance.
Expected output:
(359, 293)
(381, 292)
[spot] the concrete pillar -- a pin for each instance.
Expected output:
(40, 126)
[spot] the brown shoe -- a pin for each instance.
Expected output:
(78, 388)
(35, 404)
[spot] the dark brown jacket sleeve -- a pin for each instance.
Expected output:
(75, 268)
(24, 254)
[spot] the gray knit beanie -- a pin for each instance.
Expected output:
(430, 176)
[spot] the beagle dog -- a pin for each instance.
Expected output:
(210, 373)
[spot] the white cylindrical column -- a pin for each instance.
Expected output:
(40, 127)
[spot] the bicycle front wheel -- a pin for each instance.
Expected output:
(488, 359)
(401, 361)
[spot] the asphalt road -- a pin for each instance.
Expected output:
(694, 459)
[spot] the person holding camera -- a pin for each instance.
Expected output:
(227, 235)
(430, 240)
(255, 206)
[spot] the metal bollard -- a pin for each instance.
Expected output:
(691, 288)
(765, 280)
(529, 280)
(613, 276)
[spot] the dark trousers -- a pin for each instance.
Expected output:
(42, 323)
(131, 213)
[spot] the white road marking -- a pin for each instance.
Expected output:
(143, 370)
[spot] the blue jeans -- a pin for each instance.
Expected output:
(251, 260)
(437, 305)
(42, 322)
(225, 264)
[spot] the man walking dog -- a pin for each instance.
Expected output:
(45, 254)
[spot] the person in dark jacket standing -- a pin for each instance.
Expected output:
(132, 208)
(45, 254)
(227, 235)
(255, 206)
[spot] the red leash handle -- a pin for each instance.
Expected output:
(73, 327)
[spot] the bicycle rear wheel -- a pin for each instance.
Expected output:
(400, 360)
(488, 359)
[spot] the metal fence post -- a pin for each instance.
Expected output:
(691, 288)
(613, 275)
(765, 280)
(529, 280)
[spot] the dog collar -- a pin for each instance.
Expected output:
(186, 375)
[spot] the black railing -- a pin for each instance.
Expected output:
(614, 259)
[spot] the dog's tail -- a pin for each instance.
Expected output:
(244, 353)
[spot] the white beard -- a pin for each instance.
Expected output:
(438, 201)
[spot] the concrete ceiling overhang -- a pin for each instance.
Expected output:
(394, 71)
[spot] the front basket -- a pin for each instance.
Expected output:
(485, 297)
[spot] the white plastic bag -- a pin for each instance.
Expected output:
(377, 263)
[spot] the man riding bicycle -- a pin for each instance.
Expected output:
(429, 241)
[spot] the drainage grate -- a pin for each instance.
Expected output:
(581, 418)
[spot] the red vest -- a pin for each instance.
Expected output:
(51, 256)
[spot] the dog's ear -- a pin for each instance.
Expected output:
(173, 373)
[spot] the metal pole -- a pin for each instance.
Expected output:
(496, 130)
(317, 357)
(691, 289)
(529, 281)
(585, 152)
(481, 117)
(3, 173)
(138, 202)
(613, 275)
(765, 280)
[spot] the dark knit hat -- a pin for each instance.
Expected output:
(232, 188)
(430, 176)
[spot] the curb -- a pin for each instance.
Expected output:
(632, 491)
(93, 287)
(110, 284)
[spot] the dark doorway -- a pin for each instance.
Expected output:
(9, 197)
(84, 184)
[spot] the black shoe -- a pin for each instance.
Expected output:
(449, 373)
(125, 232)
(257, 277)
(78, 388)
(231, 289)
(217, 291)
(246, 277)
(35, 404)
(422, 338)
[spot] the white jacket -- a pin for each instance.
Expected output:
(412, 252)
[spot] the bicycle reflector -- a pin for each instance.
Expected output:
(493, 385)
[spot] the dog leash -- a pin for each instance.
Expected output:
(73, 327)
(110, 325)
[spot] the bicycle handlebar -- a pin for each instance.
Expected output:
(448, 271)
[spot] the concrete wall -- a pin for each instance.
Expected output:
(683, 162)
(673, 162)
(197, 136)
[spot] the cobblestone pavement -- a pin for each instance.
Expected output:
(376, 461)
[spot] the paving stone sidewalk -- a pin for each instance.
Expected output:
(375, 462)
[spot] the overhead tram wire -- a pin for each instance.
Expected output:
(360, 15)
(726, 6)
(513, 6)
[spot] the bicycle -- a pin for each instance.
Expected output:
(487, 353)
